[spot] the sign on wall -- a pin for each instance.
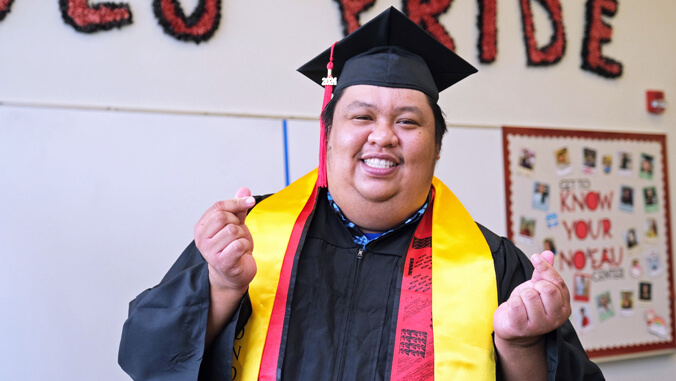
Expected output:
(600, 202)
(200, 24)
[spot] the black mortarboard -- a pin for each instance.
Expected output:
(365, 56)
(388, 51)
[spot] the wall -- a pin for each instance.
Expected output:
(113, 144)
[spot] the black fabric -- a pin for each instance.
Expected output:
(392, 28)
(163, 338)
(566, 359)
(341, 311)
(388, 66)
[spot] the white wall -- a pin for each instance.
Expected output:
(248, 67)
(95, 205)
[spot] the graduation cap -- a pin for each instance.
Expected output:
(388, 51)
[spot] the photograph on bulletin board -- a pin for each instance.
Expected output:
(600, 202)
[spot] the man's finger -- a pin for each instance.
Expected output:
(233, 252)
(545, 271)
(224, 212)
(543, 267)
(244, 193)
(510, 319)
(229, 233)
(552, 300)
(234, 205)
(214, 222)
(548, 256)
(517, 289)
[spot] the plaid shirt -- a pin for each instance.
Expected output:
(361, 238)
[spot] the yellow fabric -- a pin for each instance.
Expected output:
(270, 223)
(464, 292)
(463, 283)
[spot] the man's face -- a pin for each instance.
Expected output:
(381, 146)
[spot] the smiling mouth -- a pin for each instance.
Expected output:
(379, 163)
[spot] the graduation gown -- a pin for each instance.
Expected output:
(342, 313)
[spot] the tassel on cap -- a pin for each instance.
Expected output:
(329, 81)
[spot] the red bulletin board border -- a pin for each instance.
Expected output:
(615, 352)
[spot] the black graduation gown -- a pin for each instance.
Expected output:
(341, 325)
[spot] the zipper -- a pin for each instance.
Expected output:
(341, 353)
(348, 320)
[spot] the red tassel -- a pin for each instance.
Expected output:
(321, 176)
(322, 180)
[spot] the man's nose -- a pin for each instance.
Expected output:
(383, 134)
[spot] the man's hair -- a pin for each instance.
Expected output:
(439, 118)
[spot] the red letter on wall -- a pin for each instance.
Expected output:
(4, 8)
(89, 19)
(488, 31)
(553, 52)
(350, 10)
(426, 14)
(597, 33)
(200, 26)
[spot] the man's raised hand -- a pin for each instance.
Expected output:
(535, 307)
(226, 244)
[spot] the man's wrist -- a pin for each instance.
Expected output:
(522, 359)
(222, 288)
(521, 344)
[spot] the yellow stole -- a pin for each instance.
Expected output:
(464, 295)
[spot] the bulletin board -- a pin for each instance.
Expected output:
(600, 202)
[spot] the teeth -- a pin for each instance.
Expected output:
(379, 163)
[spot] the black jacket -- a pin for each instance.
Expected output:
(341, 324)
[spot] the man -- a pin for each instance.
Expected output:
(371, 270)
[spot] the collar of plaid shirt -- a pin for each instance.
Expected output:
(361, 238)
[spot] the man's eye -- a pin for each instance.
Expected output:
(363, 117)
(408, 121)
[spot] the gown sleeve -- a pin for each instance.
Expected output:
(163, 337)
(566, 359)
